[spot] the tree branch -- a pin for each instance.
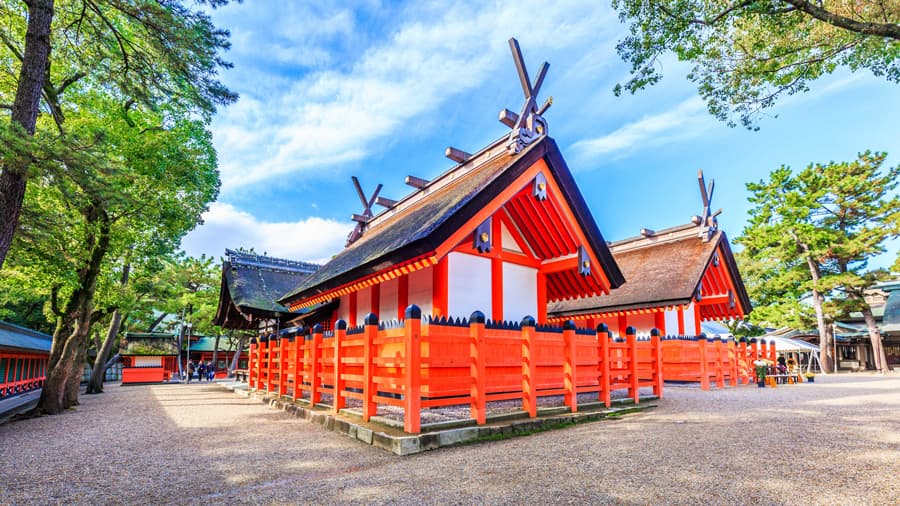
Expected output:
(888, 30)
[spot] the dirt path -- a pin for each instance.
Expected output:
(833, 442)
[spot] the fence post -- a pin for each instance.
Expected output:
(252, 364)
(282, 363)
(315, 393)
(773, 353)
(720, 368)
(340, 333)
(412, 395)
(732, 362)
(704, 362)
(606, 394)
(656, 367)
(529, 368)
(743, 364)
(601, 340)
(569, 365)
(477, 367)
(631, 340)
(370, 408)
(299, 342)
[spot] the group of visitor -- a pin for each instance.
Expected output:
(203, 370)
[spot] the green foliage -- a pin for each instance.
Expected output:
(747, 54)
(832, 218)
(149, 347)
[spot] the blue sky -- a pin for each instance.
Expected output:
(379, 90)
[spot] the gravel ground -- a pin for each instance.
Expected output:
(836, 441)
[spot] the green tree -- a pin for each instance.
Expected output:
(152, 53)
(813, 233)
(748, 53)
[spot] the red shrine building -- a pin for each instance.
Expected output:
(677, 278)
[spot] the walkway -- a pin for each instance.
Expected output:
(836, 441)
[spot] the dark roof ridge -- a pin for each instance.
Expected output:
(659, 236)
(238, 258)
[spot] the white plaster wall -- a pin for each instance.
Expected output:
(420, 289)
(343, 310)
(689, 320)
(148, 361)
(469, 287)
(390, 291)
(519, 292)
(363, 305)
(672, 322)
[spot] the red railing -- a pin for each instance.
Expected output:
(21, 372)
(418, 364)
(713, 360)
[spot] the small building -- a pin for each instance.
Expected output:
(24, 356)
(148, 357)
(677, 278)
(250, 289)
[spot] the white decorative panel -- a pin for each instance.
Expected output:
(390, 290)
(519, 292)
(509, 243)
(469, 286)
(420, 289)
(672, 322)
(363, 305)
(148, 361)
(689, 320)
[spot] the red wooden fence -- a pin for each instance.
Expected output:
(453, 362)
(713, 360)
(21, 372)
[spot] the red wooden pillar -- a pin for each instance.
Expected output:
(680, 313)
(697, 328)
(541, 298)
(252, 364)
(477, 367)
(283, 345)
(569, 365)
(704, 362)
(340, 334)
(412, 395)
(732, 362)
(439, 287)
(402, 295)
(270, 374)
(743, 362)
(773, 353)
(529, 368)
(631, 340)
(352, 308)
(659, 320)
(656, 366)
(496, 272)
(315, 393)
(369, 355)
(623, 325)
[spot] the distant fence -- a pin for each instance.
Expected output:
(21, 372)
(713, 360)
(113, 373)
(418, 364)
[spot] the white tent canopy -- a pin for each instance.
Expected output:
(801, 348)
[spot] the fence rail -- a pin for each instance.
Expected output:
(416, 364)
(21, 372)
(713, 360)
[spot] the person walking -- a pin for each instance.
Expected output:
(190, 370)
(201, 372)
(210, 371)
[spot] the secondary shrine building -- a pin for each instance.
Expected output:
(503, 232)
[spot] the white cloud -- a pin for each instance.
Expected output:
(312, 239)
(340, 114)
(685, 120)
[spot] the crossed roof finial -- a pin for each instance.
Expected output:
(529, 125)
(707, 221)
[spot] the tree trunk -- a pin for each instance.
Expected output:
(824, 336)
(73, 386)
(881, 363)
(235, 360)
(35, 60)
(95, 385)
(57, 393)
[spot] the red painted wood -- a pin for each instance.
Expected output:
(402, 297)
(439, 287)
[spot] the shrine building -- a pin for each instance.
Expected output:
(677, 278)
